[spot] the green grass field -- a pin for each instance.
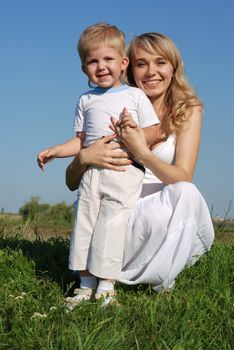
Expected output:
(196, 314)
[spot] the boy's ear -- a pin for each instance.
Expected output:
(84, 68)
(125, 62)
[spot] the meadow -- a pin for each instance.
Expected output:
(196, 314)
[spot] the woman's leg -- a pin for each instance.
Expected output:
(167, 230)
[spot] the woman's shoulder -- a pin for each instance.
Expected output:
(195, 114)
(195, 110)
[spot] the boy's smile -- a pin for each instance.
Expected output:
(104, 66)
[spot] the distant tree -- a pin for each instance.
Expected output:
(58, 215)
(32, 208)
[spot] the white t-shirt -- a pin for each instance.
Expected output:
(95, 107)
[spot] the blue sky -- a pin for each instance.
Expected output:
(41, 80)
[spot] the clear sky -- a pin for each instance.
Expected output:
(41, 79)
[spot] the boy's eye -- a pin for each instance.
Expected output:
(91, 61)
(140, 64)
(109, 58)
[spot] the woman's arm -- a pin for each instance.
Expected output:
(103, 154)
(187, 147)
(74, 173)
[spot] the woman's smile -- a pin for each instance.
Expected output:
(152, 73)
(152, 82)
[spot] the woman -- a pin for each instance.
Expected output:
(170, 226)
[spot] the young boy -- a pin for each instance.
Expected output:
(105, 197)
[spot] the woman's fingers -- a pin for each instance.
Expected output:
(115, 167)
(108, 138)
(106, 153)
(118, 161)
(119, 155)
(113, 146)
(128, 121)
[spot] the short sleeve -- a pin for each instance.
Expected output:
(146, 112)
(79, 124)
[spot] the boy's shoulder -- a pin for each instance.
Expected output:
(86, 93)
(137, 92)
(96, 91)
(85, 96)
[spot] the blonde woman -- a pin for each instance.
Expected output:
(170, 226)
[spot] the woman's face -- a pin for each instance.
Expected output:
(152, 73)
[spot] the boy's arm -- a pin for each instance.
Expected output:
(67, 149)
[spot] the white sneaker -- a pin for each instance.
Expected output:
(108, 298)
(81, 294)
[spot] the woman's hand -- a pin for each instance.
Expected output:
(105, 154)
(132, 137)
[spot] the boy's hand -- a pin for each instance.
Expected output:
(127, 120)
(124, 124)
(46, 156)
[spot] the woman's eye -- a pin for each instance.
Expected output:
(161, 62)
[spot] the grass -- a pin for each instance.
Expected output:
(196, 314)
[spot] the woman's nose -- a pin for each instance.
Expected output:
(151, 69)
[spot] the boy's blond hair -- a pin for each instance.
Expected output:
(101, 34)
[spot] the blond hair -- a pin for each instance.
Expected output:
(98, 34)
(180, 97)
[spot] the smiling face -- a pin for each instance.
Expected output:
(152, 73)
(104, 66)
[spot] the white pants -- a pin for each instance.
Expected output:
(104, 204)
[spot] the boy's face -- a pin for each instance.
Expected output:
(104, 66)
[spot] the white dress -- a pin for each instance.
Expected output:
(168, 229)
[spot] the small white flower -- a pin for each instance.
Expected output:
(37, 314)
(53, 308)
(21, 296)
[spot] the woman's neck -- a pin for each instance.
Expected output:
(159, 107)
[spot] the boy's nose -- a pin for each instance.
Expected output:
(101, 65)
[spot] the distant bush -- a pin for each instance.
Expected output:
(31, 209)
(42, 214)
